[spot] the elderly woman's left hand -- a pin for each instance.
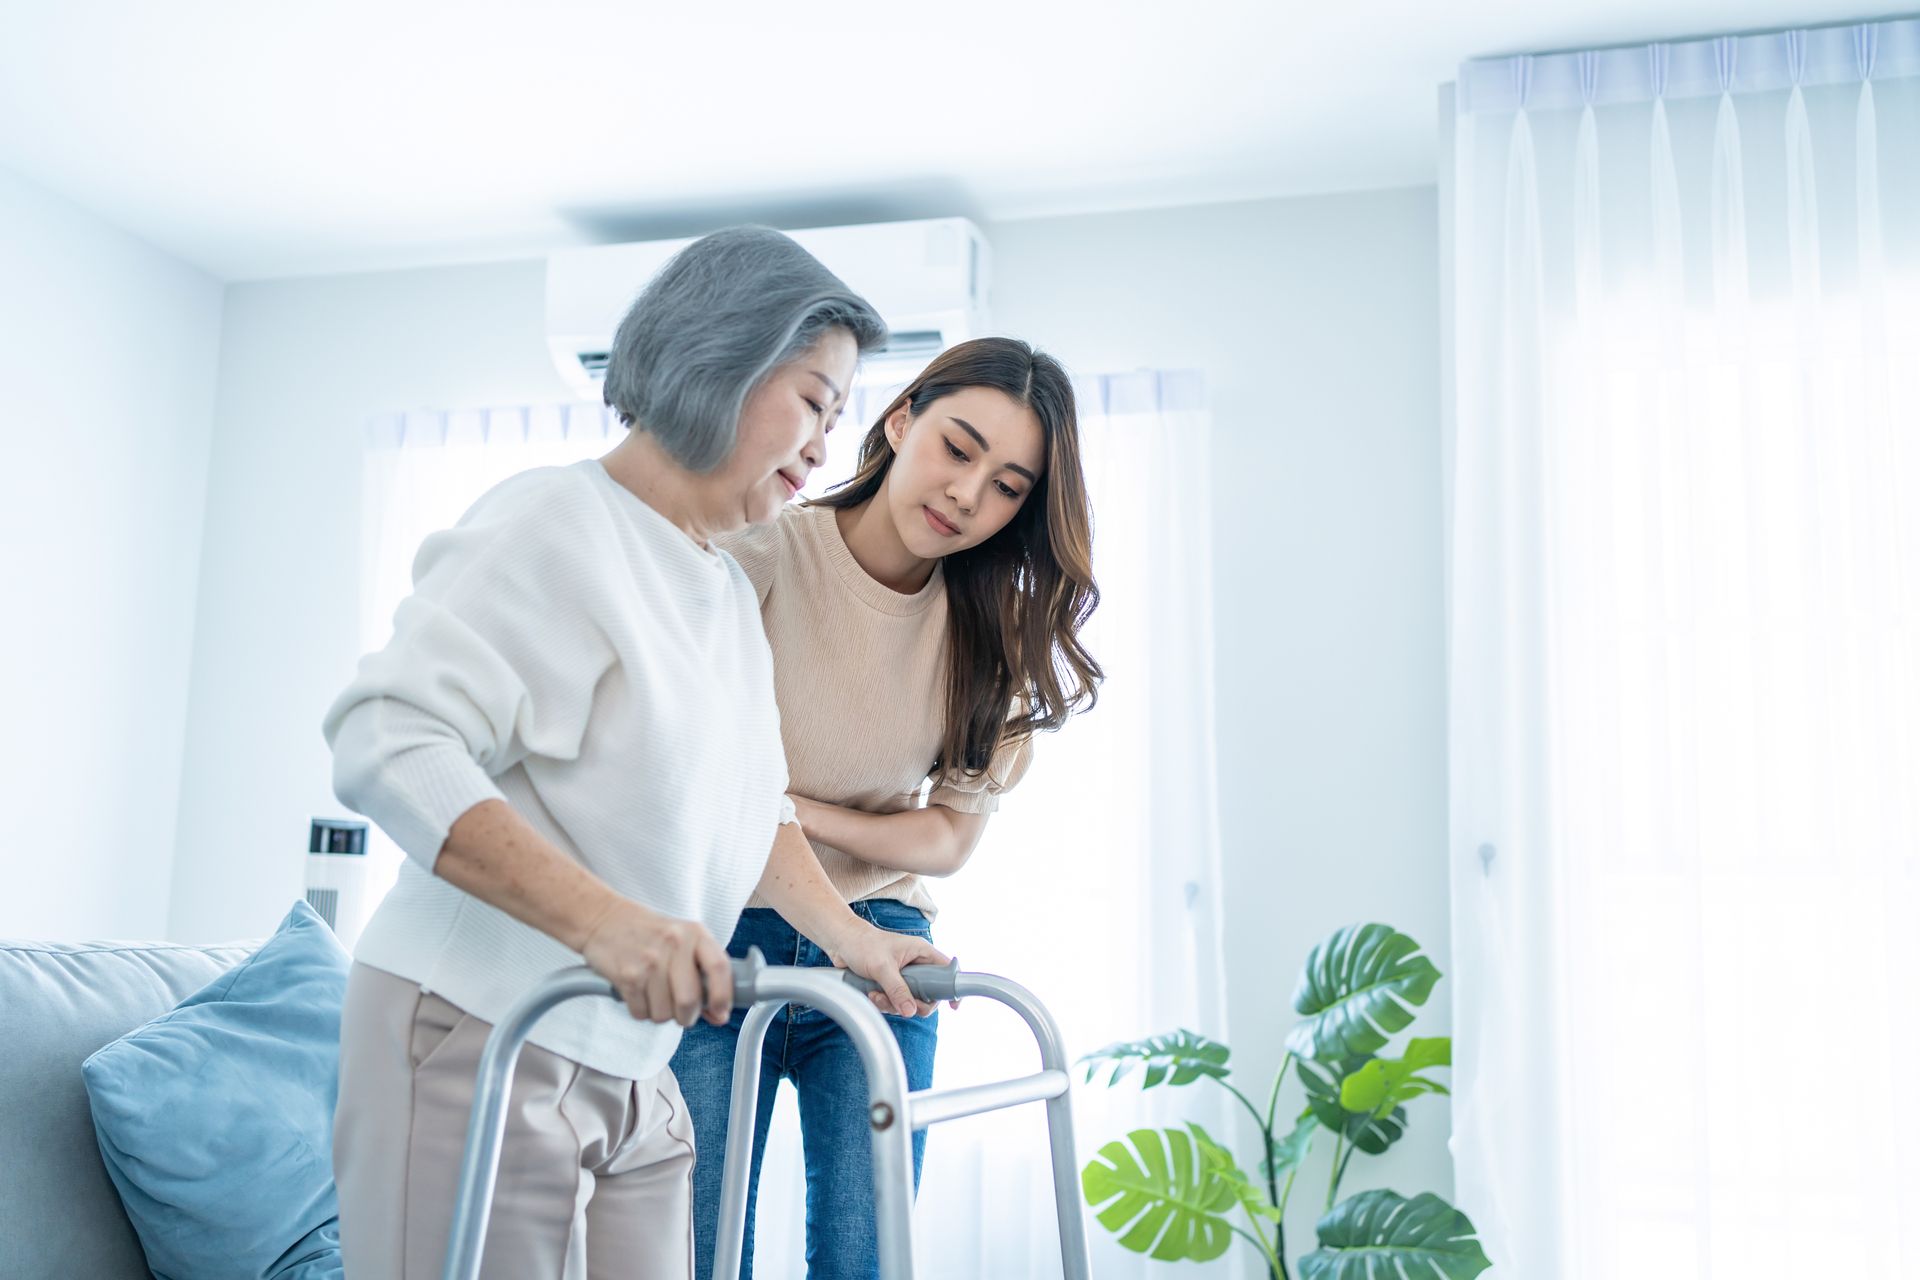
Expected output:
(880, 955)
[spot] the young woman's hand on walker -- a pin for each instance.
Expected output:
(880, 955)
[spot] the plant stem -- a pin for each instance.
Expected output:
(1273, 1099)
(1264, 1128)
(1273, 1188)
(1341, 1173)
(1252, 1240)
(1333, 1184)
(1266, 1150)
(1275, 1267)
(1274, 1251)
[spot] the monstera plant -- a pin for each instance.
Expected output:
(1178, 1195)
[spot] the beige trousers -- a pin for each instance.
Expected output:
(595, 1171)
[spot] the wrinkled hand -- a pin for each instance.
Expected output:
(667, 970)
(880, 956)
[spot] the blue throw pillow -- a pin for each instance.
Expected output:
(216, 1120)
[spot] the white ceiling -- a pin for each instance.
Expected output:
(260, 138)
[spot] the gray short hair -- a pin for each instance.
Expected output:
(725, 312)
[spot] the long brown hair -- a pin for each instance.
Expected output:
(1016, 602)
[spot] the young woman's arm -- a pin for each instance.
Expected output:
(801, 892)
(934, 841)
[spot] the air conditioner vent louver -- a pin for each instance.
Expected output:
(327, 903)
(905, 344)
(925, 343)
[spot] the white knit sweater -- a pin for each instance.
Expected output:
(567, 649)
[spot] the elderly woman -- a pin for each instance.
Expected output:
(573, 736)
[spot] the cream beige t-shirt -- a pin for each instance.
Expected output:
(859, 671)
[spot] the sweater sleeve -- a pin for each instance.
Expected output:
(981, 792)
(494, 657)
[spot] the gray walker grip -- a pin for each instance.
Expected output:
(930, 982)
(894, 1113)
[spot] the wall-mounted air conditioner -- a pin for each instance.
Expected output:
(927, 278)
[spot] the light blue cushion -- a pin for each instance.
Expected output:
(59, 1001)
(215, 1120)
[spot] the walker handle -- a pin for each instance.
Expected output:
(930, 982)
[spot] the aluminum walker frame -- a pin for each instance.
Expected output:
(893, 1112)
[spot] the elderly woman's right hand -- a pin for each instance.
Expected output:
(667, 970)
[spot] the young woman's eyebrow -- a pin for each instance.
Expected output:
(987, 448)
(968, 428)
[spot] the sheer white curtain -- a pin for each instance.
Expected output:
(1097, 884)
(1685, 656)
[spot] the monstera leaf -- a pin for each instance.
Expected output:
(1179, 1058)
(1384, 1083)
(1162, 1194)
(1359, 987)
(1378, 1234)
(1324, 1083)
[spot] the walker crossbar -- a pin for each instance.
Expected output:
(931, 1106)
(893, 1112)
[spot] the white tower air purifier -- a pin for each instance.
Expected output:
(337, 875)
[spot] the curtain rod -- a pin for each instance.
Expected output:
(1774, 60)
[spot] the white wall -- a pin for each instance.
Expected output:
(1315, 321)
(108, 350)
(305, 364)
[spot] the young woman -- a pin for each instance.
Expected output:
(572, 735)
(924, 620)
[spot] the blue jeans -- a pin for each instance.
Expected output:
(805, 1046)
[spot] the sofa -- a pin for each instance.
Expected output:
(60, 1217)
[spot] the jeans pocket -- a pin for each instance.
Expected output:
(766, 929)
(895, 917)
